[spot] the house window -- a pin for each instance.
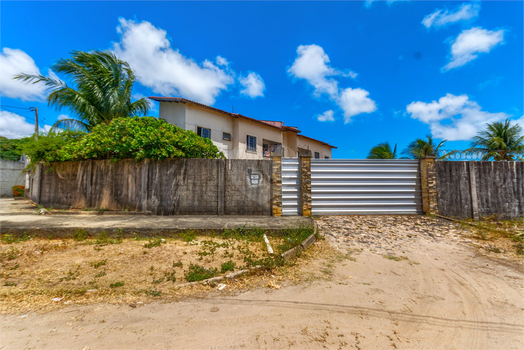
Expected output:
(204, 132)
(251, 143)
(271, 148)
(226, 136)
(326, 157)
(317, 155)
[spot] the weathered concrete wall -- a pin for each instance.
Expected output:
(10, 175)
(473, 189)
(167, 187)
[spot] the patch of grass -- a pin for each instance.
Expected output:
(255, 234)
(14, 267)
(80, 235)
(210, 248)
(170, 276)
(153, 293)
(294, 237)
(97, 264)
(178, 264)
(70, 276)
(227, 266)
(519, 248)
(187, 236)
(199, 273)
(9, 284)
(9, 239)
(116, 284)
(493, 249)
(100, 274)
(156, 242)
(395, 258)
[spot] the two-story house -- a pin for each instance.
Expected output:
(238, 136)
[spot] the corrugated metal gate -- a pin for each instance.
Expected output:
(291, 187)
(367, 186)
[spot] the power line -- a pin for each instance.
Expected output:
(15, 107)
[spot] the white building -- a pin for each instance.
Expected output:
(238, 136)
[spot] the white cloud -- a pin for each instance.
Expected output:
(453, 117)
(355, 101)
(442, 17)
(13, 62)
(470, 43)
(14, 126)
(312, 65)
(253, 85)
(327, 116)
(164, 69)
(138, 96)
(63, 116)
(520, 122)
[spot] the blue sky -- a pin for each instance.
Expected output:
(352, 74)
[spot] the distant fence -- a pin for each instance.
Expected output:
(166, 187)
(10, 175)
(473, 189)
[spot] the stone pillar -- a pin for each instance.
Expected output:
(276, 186)
(305, 184)
(428, 181)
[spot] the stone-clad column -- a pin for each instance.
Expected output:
(276, 186)
(428, 181)
(305, 184)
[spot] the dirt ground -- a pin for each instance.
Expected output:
(376, 282)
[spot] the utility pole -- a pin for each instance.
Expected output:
(36, 121)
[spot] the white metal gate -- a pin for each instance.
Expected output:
(291, 187)
(367, 186)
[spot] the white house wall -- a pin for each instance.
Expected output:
(217, 122)
(313, 146)
(173, 113)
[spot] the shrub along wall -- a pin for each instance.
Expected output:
(166, 187)
(472, 189)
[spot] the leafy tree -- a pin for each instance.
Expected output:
(101, 89)
(383, 151)
(9, 148)
(45, 148)
(138, 138)
(500, 141)
(421, 148)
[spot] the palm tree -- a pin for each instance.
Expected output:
(500, 141)
(101, 89)
(383, 151)
(421, 148)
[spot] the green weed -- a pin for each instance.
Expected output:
(96, 265)
(199, 273)
(187, 236)
(154, 243)
(227, 266)
(395, 258)
(80, 234)
(116, 284)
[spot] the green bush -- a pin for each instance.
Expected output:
(138, 138)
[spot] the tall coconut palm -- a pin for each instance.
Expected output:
(500, 141)
(383, 151)
(421, 148)
(100, 90)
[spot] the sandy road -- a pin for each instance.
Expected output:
(443, 296)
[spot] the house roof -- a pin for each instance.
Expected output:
(273, 124)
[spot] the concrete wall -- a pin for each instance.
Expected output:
(10, 175)
(473, 189)
(167, 187)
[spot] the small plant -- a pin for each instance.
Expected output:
(395, 258)
(100, 274)
(187, 236)
(154, 293)
(493, 249)
(9, 284)
(96, 265)
(80, 235)
(170, 276)
(70, 276)
(9, 239)
(14, 267)
(18, 191)
(10, 254)
(228, 266)
(178, 264)
(154, 243)
(116, 284)
(199, 273)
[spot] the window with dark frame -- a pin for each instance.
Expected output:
(204, 132)
(226, 136)
(326, 157)
(251, 143)
(317, 155)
